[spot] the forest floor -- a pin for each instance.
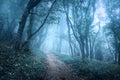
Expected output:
(16, 65)
(58, 70)
(36, 65)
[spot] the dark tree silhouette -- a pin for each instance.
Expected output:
(31, 4)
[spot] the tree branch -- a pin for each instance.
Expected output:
(29, 37)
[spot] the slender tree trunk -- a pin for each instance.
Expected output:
(119, 58)
(21, 28)
(71, 50)
(116, 57)
(69, 27)
(87, 48)
(118, 53)
(82, 48)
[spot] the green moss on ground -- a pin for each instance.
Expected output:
(92, 70)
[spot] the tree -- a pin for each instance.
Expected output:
(30, 35)
(80, 22)
(113, 11)
(31, 4)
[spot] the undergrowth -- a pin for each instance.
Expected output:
(21, 65)
(92, 69)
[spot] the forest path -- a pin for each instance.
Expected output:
(58, 70)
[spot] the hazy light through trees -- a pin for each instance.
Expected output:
(53, 34)
(100, 15)
(45, 39)
(67, 26)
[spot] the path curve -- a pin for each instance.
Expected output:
(58, 70)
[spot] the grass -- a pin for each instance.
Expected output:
(92, 69)
(21, 65)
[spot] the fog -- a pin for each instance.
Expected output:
(59, 40)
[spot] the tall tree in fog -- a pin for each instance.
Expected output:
(113, 11)
(80, 20)
(31, 4)
(44, 30)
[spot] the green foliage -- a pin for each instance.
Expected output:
(92, 70)
(21, 66)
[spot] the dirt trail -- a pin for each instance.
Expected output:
(58, 70)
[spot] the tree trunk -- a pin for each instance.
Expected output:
(82, 47)
(119, 58)
(119, 53)
(31, 4)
